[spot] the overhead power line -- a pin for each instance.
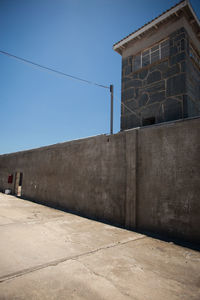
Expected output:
(52, 70)
(60, 73)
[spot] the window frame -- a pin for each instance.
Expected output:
(150, 52)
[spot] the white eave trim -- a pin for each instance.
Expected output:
(155, 22)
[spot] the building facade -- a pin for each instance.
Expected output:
(161, 69)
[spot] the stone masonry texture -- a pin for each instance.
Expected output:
(166, 90)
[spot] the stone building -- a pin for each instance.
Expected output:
(161, 69)
(147, 178)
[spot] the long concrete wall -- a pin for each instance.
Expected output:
(146, 179)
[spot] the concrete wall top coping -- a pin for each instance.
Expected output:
(57, 145)
(60, 145)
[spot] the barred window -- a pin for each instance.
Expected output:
(145, 58)
(164, 49)
(137, 62)
(155, 54)
(151, 55)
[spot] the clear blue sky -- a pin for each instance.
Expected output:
(39, 108)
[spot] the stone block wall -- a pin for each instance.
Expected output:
(163, 91)
(192, 99)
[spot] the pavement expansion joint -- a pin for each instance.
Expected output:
(61, 260)
(102, 276)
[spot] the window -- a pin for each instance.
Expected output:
(151, 55)
(148, 121)
(137, 62)
(155, 54)
(164, 49)
(193, 54)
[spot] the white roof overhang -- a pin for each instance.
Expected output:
(155, 23)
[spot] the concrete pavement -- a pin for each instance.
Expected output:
(49, 254)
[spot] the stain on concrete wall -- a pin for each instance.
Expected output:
(146, 178)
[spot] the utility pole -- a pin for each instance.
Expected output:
(111, 108)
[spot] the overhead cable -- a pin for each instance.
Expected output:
(52, 70)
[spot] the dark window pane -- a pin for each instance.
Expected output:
(145, 53)
(164, 52)
(155, 56)
(155, 48)
(137, 62)
(145, 60)
(165, 49)
(165, 43)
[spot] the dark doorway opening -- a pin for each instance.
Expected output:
(18, 183)
(148, 121)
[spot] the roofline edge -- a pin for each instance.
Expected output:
(182, 4)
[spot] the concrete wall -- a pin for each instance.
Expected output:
(86, 176)
(169, 179)
(146, 179)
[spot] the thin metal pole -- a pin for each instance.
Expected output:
(111, 108)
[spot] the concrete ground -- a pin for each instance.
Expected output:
(49, 254)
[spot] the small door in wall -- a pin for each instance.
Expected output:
(18, 183)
